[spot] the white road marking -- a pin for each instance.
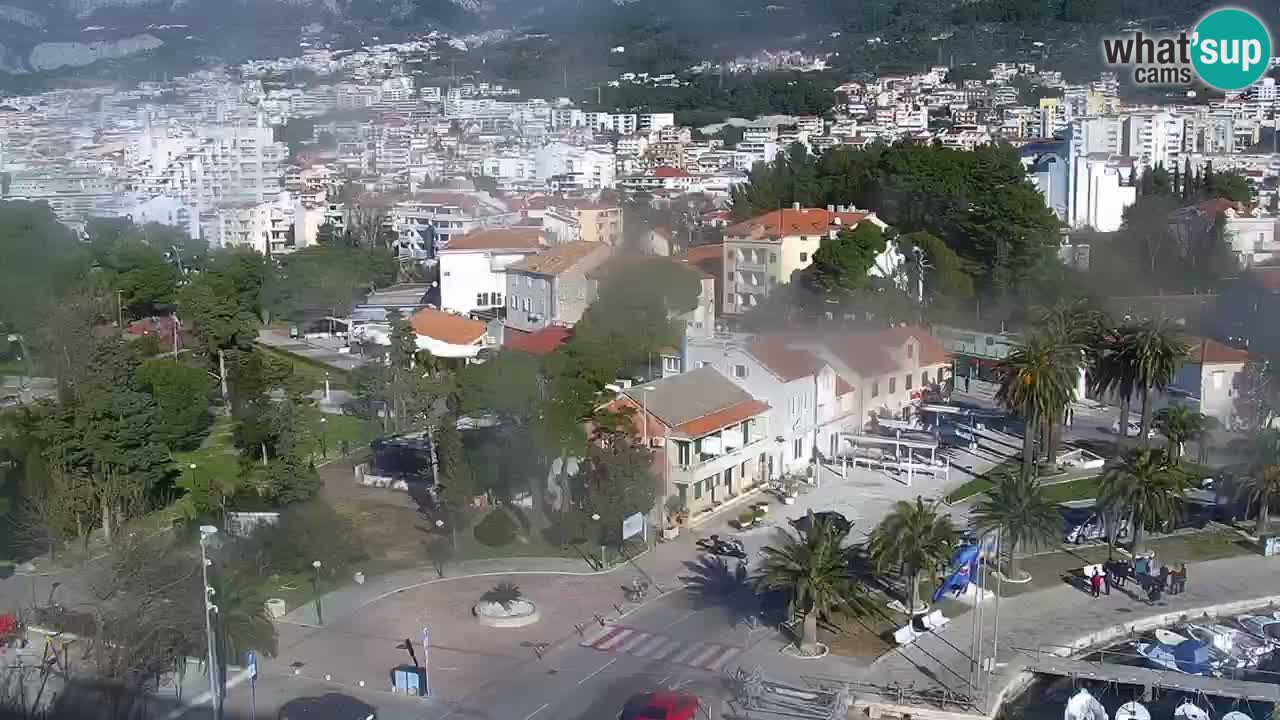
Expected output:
(668, 648)
(613, 640)
(598, 671)
(705, 656)
(634, 642)
(535, 712)
(724, 658)
(653, 644)
(687, 653)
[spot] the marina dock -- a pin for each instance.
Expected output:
(1150, 678)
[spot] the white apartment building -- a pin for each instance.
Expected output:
(427, 222)
(166, 211)
(1155, 139)
(210, 166)
(73, 194)
(1100, 189)
(473, 269)
(508, 168)
(653, 122)
(572, 167)
(265, 227)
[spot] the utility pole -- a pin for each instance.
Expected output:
(215, 682)
(222, 378)
(120, 309)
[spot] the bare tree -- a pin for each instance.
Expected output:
(366, 225)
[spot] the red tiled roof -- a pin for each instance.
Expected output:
(542, 342)
(931, 350)
(778, 223)
(559, 258)
(785, 362)
(512, 238)
(1206, 351)
(666, 171)
(447, 327)
(721, 418)
(700, 254)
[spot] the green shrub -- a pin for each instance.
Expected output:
(305, 532)
(504, 593)
(496, 529)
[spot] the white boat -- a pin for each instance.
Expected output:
(1190, 711)
(1234, 646)
(1266, 627)
(1236, 715)
(1133, 710)
(1158, 654)
(1083, 706)
(1169, 637)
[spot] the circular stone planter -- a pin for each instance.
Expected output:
(793, 651)
(276, 608)
(520, 614)
(1020, 580)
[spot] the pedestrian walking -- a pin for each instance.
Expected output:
(1163, 578)
(1182, 577)
(1153, 596)
(1106, 580)
(1095, 583)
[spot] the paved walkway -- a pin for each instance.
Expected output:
(311, 351)
(1062, 616)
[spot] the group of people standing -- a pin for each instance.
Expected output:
(1154, 584)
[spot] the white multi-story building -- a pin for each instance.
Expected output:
(1155, 139)
(473, 269)
(210, 166)
(166, 211)
(1101, 188)
(572, 167)
(427, 222)
(265, 227)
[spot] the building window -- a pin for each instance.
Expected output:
(893, 385)
(497, 298)
(773, 257)
(797, 448)
(924, 378)
(804, 257)
(911, 351)
(684, 453)
(671, 364)
(739, 371)
(908, 381)
(482, 298)
(697, 491)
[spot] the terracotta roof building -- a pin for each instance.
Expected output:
(551, 288)
(709, 436)
(765, 251)
(447, 335)
(473, 269)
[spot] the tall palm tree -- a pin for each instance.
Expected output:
(813, 568)
(1076, 324)
(1179, 423)
(1037, 381)
(1146, 485)
(1158, 352)
(915, 538)
(1113, 370)
(1016, 507)
(243, 621)
(1264, 476)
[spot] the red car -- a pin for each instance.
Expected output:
(661, 706)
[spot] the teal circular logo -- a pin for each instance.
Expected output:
(1230, 49)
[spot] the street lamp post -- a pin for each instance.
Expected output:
(215, 684)
(644, 402)
(324, 445)
(596, 517)
(315, 588)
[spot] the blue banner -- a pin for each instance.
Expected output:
(963, 568)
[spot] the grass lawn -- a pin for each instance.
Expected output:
(310, 372)
(330, 434)
(471, 549)
(1082, 489)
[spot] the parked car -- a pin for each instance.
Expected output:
(660, 706)
(838, 521)
(1087, 525)
(1135, 429)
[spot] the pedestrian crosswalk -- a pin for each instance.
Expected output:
(655, 646)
